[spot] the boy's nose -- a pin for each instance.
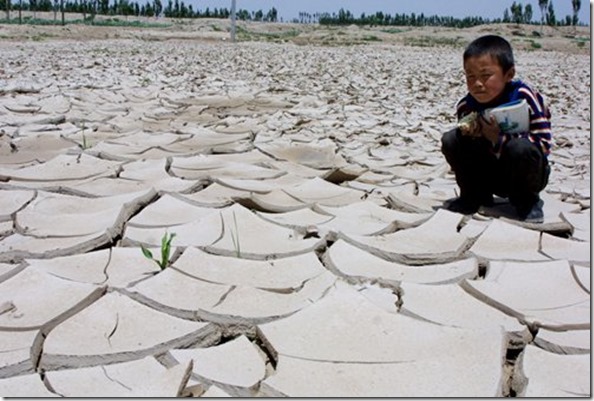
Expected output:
(477, 83)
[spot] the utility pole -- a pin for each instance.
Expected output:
(233, 21)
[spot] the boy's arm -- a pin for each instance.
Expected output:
(540, 119)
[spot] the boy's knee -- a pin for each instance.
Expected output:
(522, 148)
(449, 140)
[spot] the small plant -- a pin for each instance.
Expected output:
(39, 37)
(428, 41)
(85, 144)
(371, 38)
(165, 251)
(581, 42)
(392, 30)
(235, 237)
(518, 33)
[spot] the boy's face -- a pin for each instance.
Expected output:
(485, 78)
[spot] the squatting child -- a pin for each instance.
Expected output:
(485, 160)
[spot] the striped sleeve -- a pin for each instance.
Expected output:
(463, 108)
(540, 119)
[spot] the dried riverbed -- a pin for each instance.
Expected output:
(311, 257)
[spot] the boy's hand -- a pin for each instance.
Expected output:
(470, 126)
(489, 128)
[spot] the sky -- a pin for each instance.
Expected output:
(289, 9)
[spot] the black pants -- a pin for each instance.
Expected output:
(519, 174)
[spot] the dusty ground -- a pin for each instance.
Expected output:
(300, 171)
(525, 37)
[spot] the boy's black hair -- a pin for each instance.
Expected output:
(493, 45)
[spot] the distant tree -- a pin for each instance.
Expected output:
(506, 17)
(243, 15)
(345, 17)
(93, 10)
(379, 18)
(258, 15)
(576, 4)
(42, 5)
(124, 8)
(527, 14)
(103, 7)
(568, 21)
(271, 15)
(33, 7)
(516, 12)
(542, 4)
(183, 10)
(551, 19)
(158, 7)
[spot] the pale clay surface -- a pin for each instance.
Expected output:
(304, 184)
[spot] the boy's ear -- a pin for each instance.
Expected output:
(510, 74)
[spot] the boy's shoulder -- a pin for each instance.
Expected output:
(520, 86)
(525, 90)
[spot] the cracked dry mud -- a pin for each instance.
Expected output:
(312, 255)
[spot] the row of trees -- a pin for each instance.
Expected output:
(517, 13)
(345, 17)
(154, 8)
(523, 15)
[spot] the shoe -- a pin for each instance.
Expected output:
(463, 206)
(534, 214)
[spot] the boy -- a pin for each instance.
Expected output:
(486, 161)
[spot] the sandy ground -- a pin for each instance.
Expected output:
(575, 40)
(300, 172)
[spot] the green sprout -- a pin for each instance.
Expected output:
(235, 237)
(165, 251)
(85, 144)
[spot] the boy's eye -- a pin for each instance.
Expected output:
(480, 77)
